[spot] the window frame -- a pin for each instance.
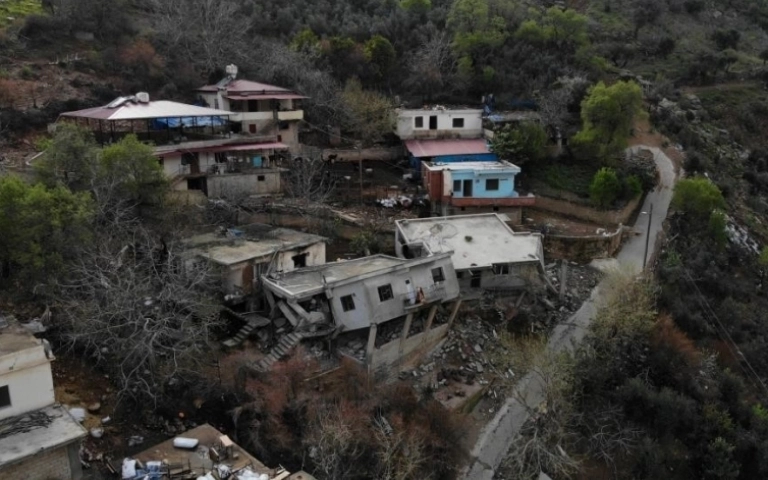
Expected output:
(488, 184)
(385, 291)
(457, 182)
(418, 122)
(457, 122)
(501, 269)
(5, 397)
(261, 178)
(440, 276)
(347, 303)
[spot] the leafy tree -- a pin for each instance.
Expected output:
(725, 39)
(369, 113)
(522, 143)
(305, 41)
(40, 227)
(608, 114)
(633, 186)
(418, 7)
(562, 29)
(717, 224)
(698, 197)
(719, 463)
(645, 13)
(381, 54)
(605, 187)
(69, 158)
(476, 34)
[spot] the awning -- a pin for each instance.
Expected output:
(266, 96)
(437, 148)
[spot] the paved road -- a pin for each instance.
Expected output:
(497, 436)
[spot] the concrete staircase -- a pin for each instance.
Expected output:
(254, 322)
(283, 348)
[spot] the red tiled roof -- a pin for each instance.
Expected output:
(437, 148)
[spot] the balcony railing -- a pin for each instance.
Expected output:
(423, 296)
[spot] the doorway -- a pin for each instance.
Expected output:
(433, 122)
(467, 190)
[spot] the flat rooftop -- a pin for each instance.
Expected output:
(306, 280)
(475, 240)
(14, 338)
(40, 430)
(197, 459)
(255, 241)
(458, 166)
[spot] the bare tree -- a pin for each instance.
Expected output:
(432, 66)
(141, 311)
(201, 33)
(308, 181)
(553, 105)
(336, 445)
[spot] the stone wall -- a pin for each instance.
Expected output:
(50, 465)
(582, 248)
(580, 211)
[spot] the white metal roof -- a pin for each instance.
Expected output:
(137, 111)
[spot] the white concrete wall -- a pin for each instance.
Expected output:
(257, 183)
(406, 124)
(27, 374)
(370, 309)
(233, 275)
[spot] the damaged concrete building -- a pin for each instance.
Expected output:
(245, 253)
(486, 253)
(355, 300)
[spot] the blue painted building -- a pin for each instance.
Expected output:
(474, 186)
(448, 151)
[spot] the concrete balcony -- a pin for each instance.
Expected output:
(283, 115)
(286, 115)
(423, 296)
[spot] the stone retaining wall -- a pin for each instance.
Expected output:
(583, 212)
(582, 248)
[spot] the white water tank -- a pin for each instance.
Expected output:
(142, 97)
(231, 70)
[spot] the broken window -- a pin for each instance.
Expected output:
(492, 184)
(501, 269)
(260, 178)
(299, 260)
(347, 303)
(438, 275)
(458, 123)
(475, 281)
(385, 293)
(5, 396)
(457, 185)
(459, 274)
(418, 122)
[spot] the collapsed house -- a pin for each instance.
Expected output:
(243, 254)
(361, 297)
(486, 253)
(39, 439)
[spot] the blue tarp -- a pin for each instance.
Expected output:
(164, 123)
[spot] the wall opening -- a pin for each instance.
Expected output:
(300, 260)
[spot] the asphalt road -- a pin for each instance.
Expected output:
(497, 436)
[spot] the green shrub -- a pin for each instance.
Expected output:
(697, 196)
(605, 187)
(633, 187)
(717, 224)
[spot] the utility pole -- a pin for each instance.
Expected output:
(360, 169)
(647, 236)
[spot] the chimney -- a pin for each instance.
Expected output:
(231, 70)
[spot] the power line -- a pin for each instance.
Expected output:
(749, 371)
